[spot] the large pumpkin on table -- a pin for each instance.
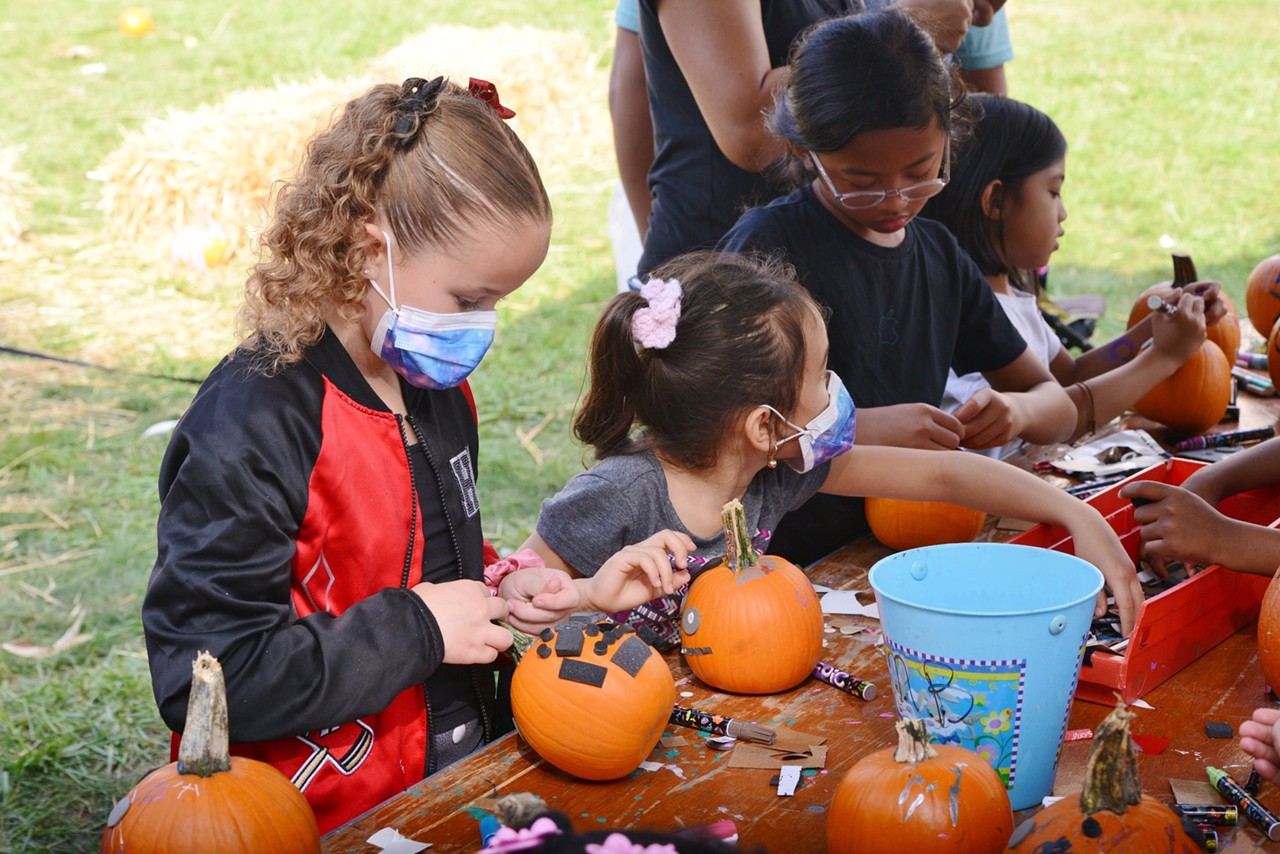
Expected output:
(1262, 295)
(901, 524)
(591, 697)
(1195, 397)
(209, 801)
(1269, 635)
(919, 797)
(753, 623)
(1111, 814)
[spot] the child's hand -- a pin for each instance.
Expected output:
(989, 419)
(946, 20)
(1097, 543)
(640, 573)
(1177, 525)
(539, 596)
(1179, 335)
(465, 612)
(1260, 738)
(1214, 308)
(909, 425)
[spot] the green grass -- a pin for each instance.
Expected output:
(1169, 107)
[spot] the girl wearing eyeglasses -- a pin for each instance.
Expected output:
(868, 114)
(1004, 206)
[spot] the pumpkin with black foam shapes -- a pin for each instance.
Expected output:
(901, 524)
(1195, 397)
(1111, 814)
(919, 797)
(1262, 294)
(209, 801)
(591, 698)
(751, 624)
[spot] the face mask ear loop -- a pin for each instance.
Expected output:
(391, 279)
(801, 431)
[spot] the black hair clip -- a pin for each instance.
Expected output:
(417, 101)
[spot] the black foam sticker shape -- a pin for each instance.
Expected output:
(545, 634)
(602, 647)
(569, 640)
(584, 672)
(631, 655)
(544, 651)
(1218, 729)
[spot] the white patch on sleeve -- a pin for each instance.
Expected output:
(461, 465)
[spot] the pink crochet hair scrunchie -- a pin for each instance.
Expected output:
(654, 327)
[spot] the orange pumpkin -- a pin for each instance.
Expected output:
(605, 670)
(1262, 295)
(1111, 813)
(919, 797)
(209, 801)
(753, 623)
(901, 524)
(1273, 354)
(1269, 634)
(1225, 332)
(1195, 397)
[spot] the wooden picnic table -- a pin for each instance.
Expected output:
(695, 785)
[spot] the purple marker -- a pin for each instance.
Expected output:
(838, 678)
(1218, 440)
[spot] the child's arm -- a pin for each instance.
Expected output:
(1260, 738)
(997, 488)
(1024, 401)
(1251, 468)
(909, 425)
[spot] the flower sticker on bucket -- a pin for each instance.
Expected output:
(975, 704)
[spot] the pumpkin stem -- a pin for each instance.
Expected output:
(521, 644)
(739, 551)
(1111, 775)
(203, 749)
(913, 742)
(1184, 270)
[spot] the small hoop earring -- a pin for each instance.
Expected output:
(773, 462)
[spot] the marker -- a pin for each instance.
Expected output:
(1254, 811)
(1256, 361)
(1254, 783)
(1211, 814)
(1255, 385)
(1156, 304)
(846, 682)
(719, 725)
(1081, 490)
(1210, 837)
(489, 826)
(1218, 440)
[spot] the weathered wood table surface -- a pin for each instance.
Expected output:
(695, 785)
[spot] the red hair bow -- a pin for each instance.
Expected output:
(483, 90)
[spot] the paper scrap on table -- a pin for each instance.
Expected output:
(650, 765)
(672, 740)
(1195, 792)
(1142, 704)
(391, 842)
(789, 748)
(846, 602)
(788, 779)
(1150, 744)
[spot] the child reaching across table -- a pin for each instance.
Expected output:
(1183, 522)
(868, 114)
(699, 386)
(1260, 738)
(1004, 206)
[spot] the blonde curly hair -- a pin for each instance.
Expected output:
(455, 166)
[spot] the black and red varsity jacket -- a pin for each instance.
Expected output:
(289, 535)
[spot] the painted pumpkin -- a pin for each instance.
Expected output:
(1111, 813)
(209, 801)
(1195, 397)
(919, 797)
(1262, 295)
(901, 524)
(753, 623)
(591, 698)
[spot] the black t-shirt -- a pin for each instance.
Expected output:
(697, 192)
(900, 317)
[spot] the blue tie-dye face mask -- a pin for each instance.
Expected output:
(831, 431)
(430, 350)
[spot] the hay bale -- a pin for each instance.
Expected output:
(220, 161)
(16, 190)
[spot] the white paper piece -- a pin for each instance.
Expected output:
(1050, 800)
(846, 602)
(650, 765)
(822, 588)
(391, 842)
(788, 779)
(1142, 704)
(1128, 451)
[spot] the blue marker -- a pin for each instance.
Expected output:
(489, 825)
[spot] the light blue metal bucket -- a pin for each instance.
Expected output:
(984, 642)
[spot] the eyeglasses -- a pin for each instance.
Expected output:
(863, 199)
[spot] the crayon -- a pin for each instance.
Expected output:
(1209, 813)
(838, 678)
(1255, 361)
(1235, 793)
(1254, 783)
(719, 725)
(1218, 440)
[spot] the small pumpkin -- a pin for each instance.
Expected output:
(919, 797)
(1273, 354)
(1195, 397)
(1269, 632)
(1262, 294)
(751, 624)
(901, 524)
(600, 668)
(1225, 332)
(210, 801)
(1111, 813)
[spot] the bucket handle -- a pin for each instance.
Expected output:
(1057, 624)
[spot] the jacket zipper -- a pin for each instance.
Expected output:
(485, 724)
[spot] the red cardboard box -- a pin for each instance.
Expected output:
(1177, 626)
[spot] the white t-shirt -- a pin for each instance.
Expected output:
(1024, 313)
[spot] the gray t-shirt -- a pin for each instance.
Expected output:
(623, 500)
